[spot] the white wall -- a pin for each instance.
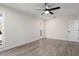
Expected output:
(73, 29)
(57, 28)
(19, 28)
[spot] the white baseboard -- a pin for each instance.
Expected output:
(56, 38)
(62, 39)
(7, 48)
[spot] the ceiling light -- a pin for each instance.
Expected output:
(46, 12)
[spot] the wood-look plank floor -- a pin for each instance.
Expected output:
(45, 47)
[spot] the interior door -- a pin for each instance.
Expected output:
(73, 31)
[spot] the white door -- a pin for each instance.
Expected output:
(73, 31)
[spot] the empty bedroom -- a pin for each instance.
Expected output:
(39, 29)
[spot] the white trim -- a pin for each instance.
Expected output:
(62, 39)
(7, 48)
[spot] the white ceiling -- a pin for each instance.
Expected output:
(67, 9)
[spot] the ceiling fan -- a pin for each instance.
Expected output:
(48, 10)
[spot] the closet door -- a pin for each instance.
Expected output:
(73, 31)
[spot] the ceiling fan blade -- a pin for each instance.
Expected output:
(51, 13)
(42, 13)
(54, 8)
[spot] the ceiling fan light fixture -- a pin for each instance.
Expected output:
(46, 12)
